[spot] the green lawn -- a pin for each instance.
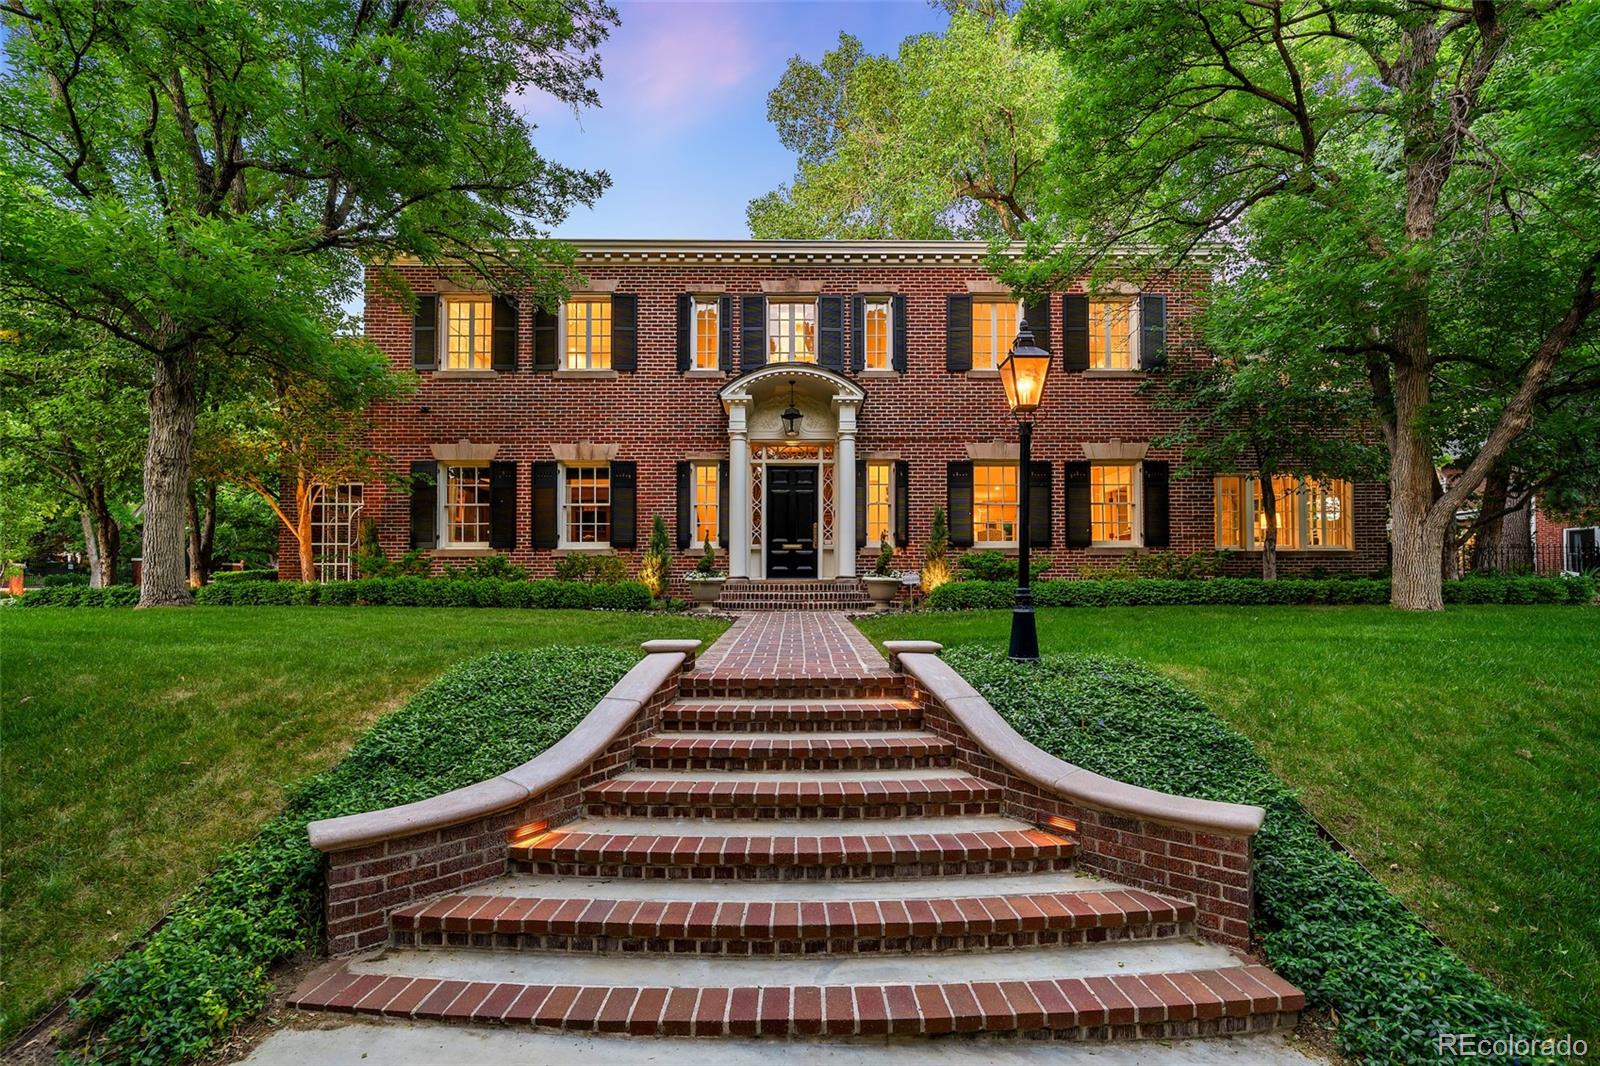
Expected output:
(1457, 755)
(139, 746)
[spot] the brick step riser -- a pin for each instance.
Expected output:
(747, 812)
(738, 763)
(731, 604)
(830, 872)
(692, 687)
(757, 727)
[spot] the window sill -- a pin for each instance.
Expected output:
(465, 375)
(882, 373)
(1113, 374)
(602, 375)
(1292, 551)
(1115, 549)
(704, 373)
(463, 553)
(983, 374)
(583, 549)
(1003, 549)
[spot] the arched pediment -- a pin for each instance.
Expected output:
(810, 380)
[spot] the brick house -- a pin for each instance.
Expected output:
(661, 388)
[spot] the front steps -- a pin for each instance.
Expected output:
(839, 594)
(793, 858)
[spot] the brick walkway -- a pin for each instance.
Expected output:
(792, 644)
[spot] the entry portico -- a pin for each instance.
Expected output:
(792, 484)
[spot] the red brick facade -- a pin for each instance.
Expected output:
(927, 416)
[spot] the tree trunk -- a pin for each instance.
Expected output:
(1417, 532)
(202, 534)
(1516, 536)
(305, 496)
(108, 535)
(1487, 540)
(173, 405)
(91, 547)
(1269, 544)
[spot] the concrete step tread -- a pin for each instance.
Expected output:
(547, 886)
(752, 847)
(792, 789)
(806, 827)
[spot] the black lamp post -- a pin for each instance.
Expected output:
(1023, 372)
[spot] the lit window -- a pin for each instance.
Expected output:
(1327, 514)
(1287, 505)
(994, 503)
(469, 334)
(994, 327)
(706, 334)
(875, 331)
(1229, 499)
(1113, 504)
(466, 506)
(792, 331)
(706, 503)
(586, 505)
(1111, 334)
(880, 503)
(589, 333)
(333, 531)
(1312, 515)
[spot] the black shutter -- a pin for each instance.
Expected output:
(624, 505)
(1040, 499)
(685, 504)
(503, 505)
(1153, 332)
(958, 502)
(902, 502)
(722, 503)
(1075, 332)
(1037, 312)
(861, 504)
(898, 313)
(1157, 526)
(830, 332)
(752, 333)
(425, 334)
(1079, 531)
(545, 512)
(546, 353)
(424, 504)
(624, 332)
(725, 334)
(858, 333)
(685, 334)
(503, 352)
(958, 337)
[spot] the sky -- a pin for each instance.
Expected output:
(682, 128)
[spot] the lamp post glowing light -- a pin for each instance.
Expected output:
(1023, 372)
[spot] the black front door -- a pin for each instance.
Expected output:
(791, 521)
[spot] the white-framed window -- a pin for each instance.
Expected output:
(587, 321)
(1312, 515)
(1114, 490)
(880, 502)
(1113, 329)
(707, 502)
(333, 531)
(994, 327)
(791, 331)
(876, 331)
(469, 332)
(707, 333)
(994, 505)
(465, 505)
(585, 494)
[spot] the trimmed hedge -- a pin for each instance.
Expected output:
(1250, 592)
(204, 970)
(429, 592)
(80, 596)
(244, 575)
(1324, 922)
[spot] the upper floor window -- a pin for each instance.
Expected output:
(1114, 504)
(994, 504)
(706, 503)
(585, 505)
(876, 333)
(791, 331)
(705, 334)
(588, 322)
(880, 502)
(469, 333)
(1111, 333)
(466, 506)
(1311, 515)
(994, 327)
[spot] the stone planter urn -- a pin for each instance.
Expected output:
(883, 590)
(705, 589)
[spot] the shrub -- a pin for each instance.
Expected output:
(936, 554)
(245, 575)
(1326, 925)
(656, 564)
(493, 567)
(884, 567)
(81, 596)
(429, 592)
(586, 566)
(75, 578)
(987, 564)
(205, 970)
(1161, 564)
(1250, 592)
(706, 565)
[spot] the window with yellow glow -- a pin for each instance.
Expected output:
(466, 506)
(469, 333)
(880, 502)
(1113, 504)
(994, 503)
(1327, 514)
(1312, 515)
(1229, 499)
(994, 327)
(586, 499)
(1111, 334)
(792, 331)
(875, 332)
(706, 503)
(1286, 489)
(707, 333)
(589, 333)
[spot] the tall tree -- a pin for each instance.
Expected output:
(1410, 188)
(198, 180)
(944, 140)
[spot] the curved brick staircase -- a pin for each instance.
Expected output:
(811, 859)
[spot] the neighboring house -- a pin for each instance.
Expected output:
(1561, 546)
(661, 388)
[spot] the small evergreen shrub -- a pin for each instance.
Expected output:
(1251, 592)
(80, 596)
(431, 592)
(656, 564)
(987, 564)
(244, 575)
(936, 554)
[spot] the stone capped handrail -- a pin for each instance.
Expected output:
(920, 659)
(563, 759)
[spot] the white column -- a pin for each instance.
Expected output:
(844, 484)
(738, 493)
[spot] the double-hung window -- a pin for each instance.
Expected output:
(876, 331)
(469, 333)
(1286, 504)
(1311, 515)
(705, 334)
(994, 504)
(588, 323)
(707, 503)
(585, 496)
(1112, 329)
(880, 503)
(1114, 504)
(791, 331)
(994, 327)
(466, 506)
